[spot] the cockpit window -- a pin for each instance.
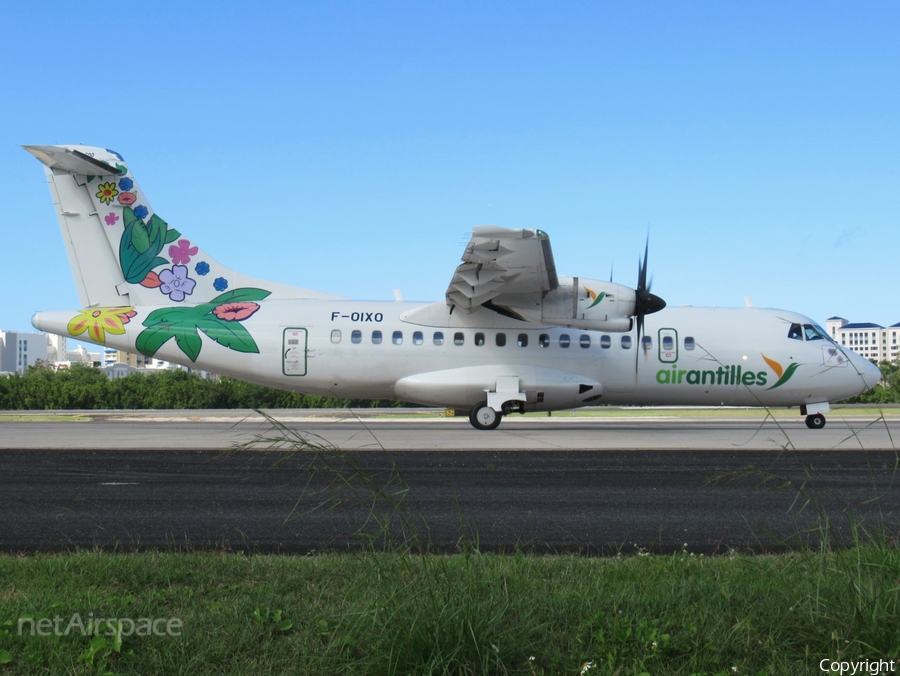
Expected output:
(795, 332)
(813, 332)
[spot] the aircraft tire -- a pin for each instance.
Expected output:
(483, 417)
(815, 422)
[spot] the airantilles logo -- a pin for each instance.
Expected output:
(727, 375)
(596, 297)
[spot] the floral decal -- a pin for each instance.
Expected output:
(151, 281)
(106, 192)
(126, 184)
(175, 283)
(111, 218)
(202, 268)
(141, 211)
(181, 253)
(127, 198)
(220, 284)
(235, 312)
(141, 244)
(99, 322)
(219, 320)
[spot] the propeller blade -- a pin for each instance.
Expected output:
(645, 303)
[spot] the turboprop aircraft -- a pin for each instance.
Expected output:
(511, 335)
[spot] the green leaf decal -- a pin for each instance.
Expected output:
(172, 235)
(156, 228)
(230, 334)
(183, 323)
(241, 296)
(140, 239)
(150, 340)
(188, 340)
(785, 376)
(141, 244)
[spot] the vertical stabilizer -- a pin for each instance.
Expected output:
(123, 253)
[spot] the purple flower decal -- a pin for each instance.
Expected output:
(175, 283)
(126, 184)
(182, 252)
(220, 284)
(141, 211)
(111, 218)
(202, 268)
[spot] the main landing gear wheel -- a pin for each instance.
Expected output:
(815, 422)
(483, 417)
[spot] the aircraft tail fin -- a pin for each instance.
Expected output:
(121, 252)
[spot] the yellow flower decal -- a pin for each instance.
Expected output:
(107, 192)
(100, 321)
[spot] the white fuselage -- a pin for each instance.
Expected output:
(426, 354)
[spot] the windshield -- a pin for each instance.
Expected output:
(815, 332)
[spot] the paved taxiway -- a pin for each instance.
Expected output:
(552, 485)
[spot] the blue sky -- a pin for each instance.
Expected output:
(350, 147)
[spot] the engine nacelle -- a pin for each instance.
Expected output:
(581, 303)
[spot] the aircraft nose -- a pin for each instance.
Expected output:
(871, 374)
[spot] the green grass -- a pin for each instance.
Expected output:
(462, 614)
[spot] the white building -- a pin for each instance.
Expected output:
(872, 341)
(18, 351)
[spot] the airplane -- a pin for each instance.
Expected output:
(512, 335)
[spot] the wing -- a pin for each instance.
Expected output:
(501, 262)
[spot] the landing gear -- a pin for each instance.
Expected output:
(483, 417)
(815, 422)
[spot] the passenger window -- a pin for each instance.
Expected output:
(564, 340)
(585, 340)
(479, 339)
(501, 339)
(605, 342)
(626, 342)
(418, 338)
(376, 337)
(438, 338)
(689, 343)
(523, 340)
(795, 333)
(668, 343)
(397, 338)
(336, 336)
(544, 340)
(356, 337)
(647, 342)
(458, 338)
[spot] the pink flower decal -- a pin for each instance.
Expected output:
(127, 198)
(235, 312)
(181, 253)
(110, 218)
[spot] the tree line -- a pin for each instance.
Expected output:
(85, 387)
(888, 392)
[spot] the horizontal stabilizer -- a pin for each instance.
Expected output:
(70, 161)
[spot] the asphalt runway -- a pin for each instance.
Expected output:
(219, 430)
(534, 484)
